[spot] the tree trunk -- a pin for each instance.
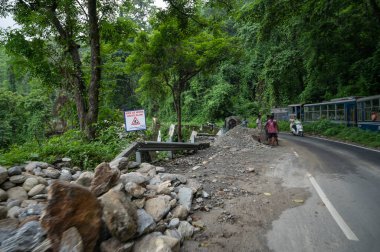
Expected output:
(93, 92)
(177, 106)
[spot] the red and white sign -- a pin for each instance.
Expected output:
(135, 120)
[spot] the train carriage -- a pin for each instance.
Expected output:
(368, 111)
(342, 110)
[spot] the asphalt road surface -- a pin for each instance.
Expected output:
(343, 212)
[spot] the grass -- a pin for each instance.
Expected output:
(341, 132)
(83, 153)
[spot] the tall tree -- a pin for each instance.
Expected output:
(176, 51)
(69, 24)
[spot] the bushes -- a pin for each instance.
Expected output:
(341, 132)
(85, 154)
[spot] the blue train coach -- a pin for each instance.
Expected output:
(342, 110)
(368, 111)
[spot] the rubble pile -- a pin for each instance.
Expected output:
(240, 137)
(46, 207)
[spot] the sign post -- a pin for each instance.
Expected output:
(135, 120)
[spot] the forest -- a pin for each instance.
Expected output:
(69, 68)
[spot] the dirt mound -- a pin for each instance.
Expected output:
(240, 137)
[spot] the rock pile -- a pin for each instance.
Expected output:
(240, 136)
(45, 207)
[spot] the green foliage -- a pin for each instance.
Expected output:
(341, 132)
(86, 154)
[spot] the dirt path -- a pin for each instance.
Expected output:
(243, 200)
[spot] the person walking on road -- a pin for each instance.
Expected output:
(272, 128)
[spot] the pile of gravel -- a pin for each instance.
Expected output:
(240, 137)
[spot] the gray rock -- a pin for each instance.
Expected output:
(33, 209)
(71, 241)
(162, 188)
(205, 194)
(13, 202)
(50, 172)
(7, 185)
(145, 222)
(3, 174)
(180, 212)
(174, 233)
(160, 169)
(134, 177)
(155, 180)
(76, 175)
(156, 242)
(38, 189)
(3, 195)
(39, 172)
(158, 207)
(185, 229)
(65, 175)
(185, 196)
(85, 179)
(45, 246)
(133, 165)
(134, 189)
(3, 212)
(17, 179)
(66, 159)
(30, 183)
(194, 185)
(29, 236)
(173, 177)
(33, 165)
(8, 228)
(114, 245)
(139, 203)
(174, 223)
(119, 163)
(147, 169)
(13, 212)
(15, 170)
(40, 196)
(120, 215)
(17, 193)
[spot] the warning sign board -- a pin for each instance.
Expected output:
(135, 120)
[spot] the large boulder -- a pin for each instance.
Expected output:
(156, 242)
(18, 193)
(26, 238)
(158, 207)
(134, 189)
(30, 183)
(119, 215)
(113, 244)
(71, 241)
(120, 163)
(71, 205)
(185, 196)
(145, 222)
(85, 179)
(135, 177)
(3, 175)
(104, 179)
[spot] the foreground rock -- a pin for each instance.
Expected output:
(71, 205)
(55, 208)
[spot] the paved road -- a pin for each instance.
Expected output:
(343, 212)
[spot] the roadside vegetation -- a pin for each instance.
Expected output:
(331, 130)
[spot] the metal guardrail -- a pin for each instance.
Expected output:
(139, 147)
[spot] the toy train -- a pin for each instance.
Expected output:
(362, 112)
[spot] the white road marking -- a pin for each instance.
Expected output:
(337, 217)
(295, 153)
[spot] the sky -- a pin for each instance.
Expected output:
(8, 21)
